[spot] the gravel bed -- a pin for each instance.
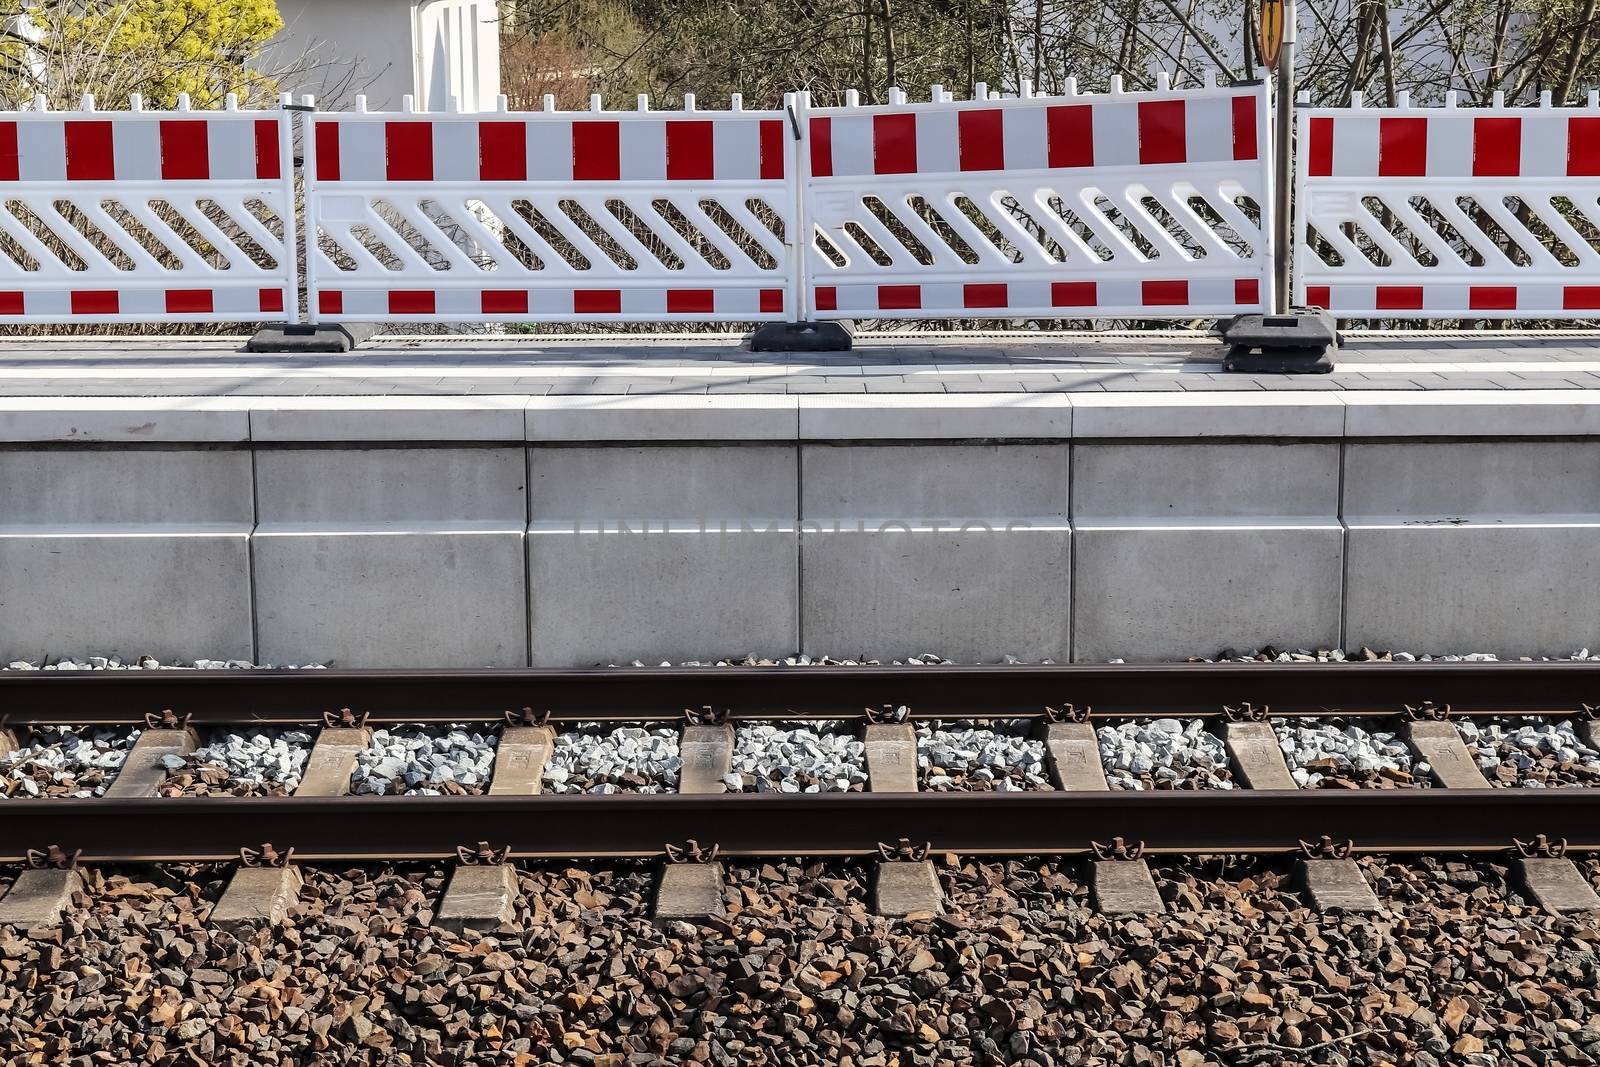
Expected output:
(65, 761)
(425, 761)
(601, 759)
(1530, 753)
(816, 757)
(1341, 755)
(240, 763)
(1460, 971)
(1163, 754)
(147, 663)
(994, 756)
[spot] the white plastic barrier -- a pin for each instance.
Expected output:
(1449, 212)
(1152, 205)
(140, 216)
(560, 216)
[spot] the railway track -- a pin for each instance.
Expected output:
(1081, 817)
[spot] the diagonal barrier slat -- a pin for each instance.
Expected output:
(1449, 212)
(147, 216)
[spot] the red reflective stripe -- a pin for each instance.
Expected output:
(771, 301)
(502, 152)
(689, 152)
(11, 303)
(984, 295)
(1162, 138)
(271, 299)
(9, 160)
(1073, 294)
(183, 149)
(1247, 291)
(772, 149)
(827, 298)
(596, 151)
(899, 297)
(327, 151)
(1398, 298)
(894, 144)
(1496, 147)
(982, 136)
(89, 152)
(1320, 163)
(1580, 297)
(411, 302)
(690, 301)
(330, 302)
(1492, 298)
(1244, 128)
(597, 301)
(504, 302)
(269, 163)
(1319, 296)
(1070, 132)
(1164, 294)
(821, 148)
(95, 302)
(408, 151)
(1583, 147)
(189, 301)
(1402, 147)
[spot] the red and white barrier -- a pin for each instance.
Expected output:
(1118, 205)
(141, 216)
(558, 216)
(1449, 212)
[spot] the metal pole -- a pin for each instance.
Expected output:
(1283, 229)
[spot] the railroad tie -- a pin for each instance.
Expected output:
(332, 761)
(520, 758)
(1589, 732)
(482, 893)
(38, 897)
(691, 885)
(707, 753)
(904, 882)
(1556, 884)
(8, 742)
(1074, 756)
(1439, 743)
(143, 772)
(1337, 884)
(1257, 760)
(1124, 887)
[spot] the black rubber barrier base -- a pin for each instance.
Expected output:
(322, 338)
(1301, 342)
(802, 337)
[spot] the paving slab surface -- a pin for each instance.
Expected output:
(699, 364)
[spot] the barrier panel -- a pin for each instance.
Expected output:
(141, 216)
(557, 216)
(1144, 205)
(1449, 212)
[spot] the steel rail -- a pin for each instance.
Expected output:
(1111, 690)
(634, 825)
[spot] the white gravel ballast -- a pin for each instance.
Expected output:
(997, 756)
(66, 761)
(1530, 753)
(1163, 754)
(425, 761)
(253, 762)
(601, 759)
(796, 758)
(1342, 755)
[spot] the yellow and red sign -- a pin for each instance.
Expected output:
(1269, 32)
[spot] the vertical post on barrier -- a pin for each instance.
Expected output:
(1283, 143)
(799, 298)
(291, 217)
(308, 185)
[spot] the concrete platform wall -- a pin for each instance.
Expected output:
(444, 533)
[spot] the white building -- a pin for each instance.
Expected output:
(435, 50)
